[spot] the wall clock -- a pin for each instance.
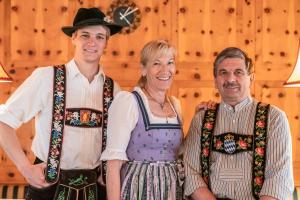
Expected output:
(125, 13)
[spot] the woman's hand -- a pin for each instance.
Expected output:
(204, 105)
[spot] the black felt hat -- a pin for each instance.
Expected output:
(90, 17)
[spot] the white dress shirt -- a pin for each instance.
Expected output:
(81, 146)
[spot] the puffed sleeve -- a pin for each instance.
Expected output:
(28, 99)
(122, 118)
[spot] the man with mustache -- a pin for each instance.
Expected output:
(241, 148)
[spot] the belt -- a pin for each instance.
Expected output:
(38, 161)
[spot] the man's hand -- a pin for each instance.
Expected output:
(203, 193)
(100, 180)
(34, 175)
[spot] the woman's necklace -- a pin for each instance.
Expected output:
(161, 104)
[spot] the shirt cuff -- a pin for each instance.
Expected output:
(8, 118)
(192, 183)
(277, 189)
(113, 154)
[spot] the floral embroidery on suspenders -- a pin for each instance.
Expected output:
(231, 143)
(260, 144)
(58, 119)
(217, 143)
(108, 94)
(56, 137)
(83, 117)
(206, 140)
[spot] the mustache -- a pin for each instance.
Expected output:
(230, 84)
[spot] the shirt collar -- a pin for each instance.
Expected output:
(247, 101)
(73, 71)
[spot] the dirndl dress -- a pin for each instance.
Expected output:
(153, 171)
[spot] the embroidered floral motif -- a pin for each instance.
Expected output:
(108, 89)
(57, 124)
(91, 195)
(81, 180)
(218, 144)
(231, 143)
(260, 143)
(61, 195)
(79, 117)
(207, 130)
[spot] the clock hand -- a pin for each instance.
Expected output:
(128, 13)
(123, 17)
(128, 9)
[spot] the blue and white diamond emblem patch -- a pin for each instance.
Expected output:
(229, 144)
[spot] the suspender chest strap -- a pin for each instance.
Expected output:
(207, 130)
(108, 93)
(258, 146)
(58, 118)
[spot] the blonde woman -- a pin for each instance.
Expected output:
(144, 133)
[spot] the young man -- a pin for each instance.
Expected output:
(241, 149)
(69, 103)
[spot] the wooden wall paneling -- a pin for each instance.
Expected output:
(194, 25)
(245, 26)
(3, 29)
(276, 44)
(206, 27)
(46, 43)
(5, 35)
(191, 95)
(10, 175)
(25, 36)
(54, 43)
(193, 73)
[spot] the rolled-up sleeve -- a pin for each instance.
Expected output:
(27, 100)
(279, 182)
(193, 179)
(122, 119)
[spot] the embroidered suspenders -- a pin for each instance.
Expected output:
(259, 148)
(90, 119)
(207, 130)
(230, 143)
(58, 115)
(108, 89)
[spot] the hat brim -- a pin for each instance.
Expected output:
(114, 28)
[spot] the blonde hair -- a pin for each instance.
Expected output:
(151, 51)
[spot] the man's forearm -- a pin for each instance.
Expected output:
(267, 198)
(203, 193)
(10, 144)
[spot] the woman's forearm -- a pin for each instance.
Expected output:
(113, 179)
